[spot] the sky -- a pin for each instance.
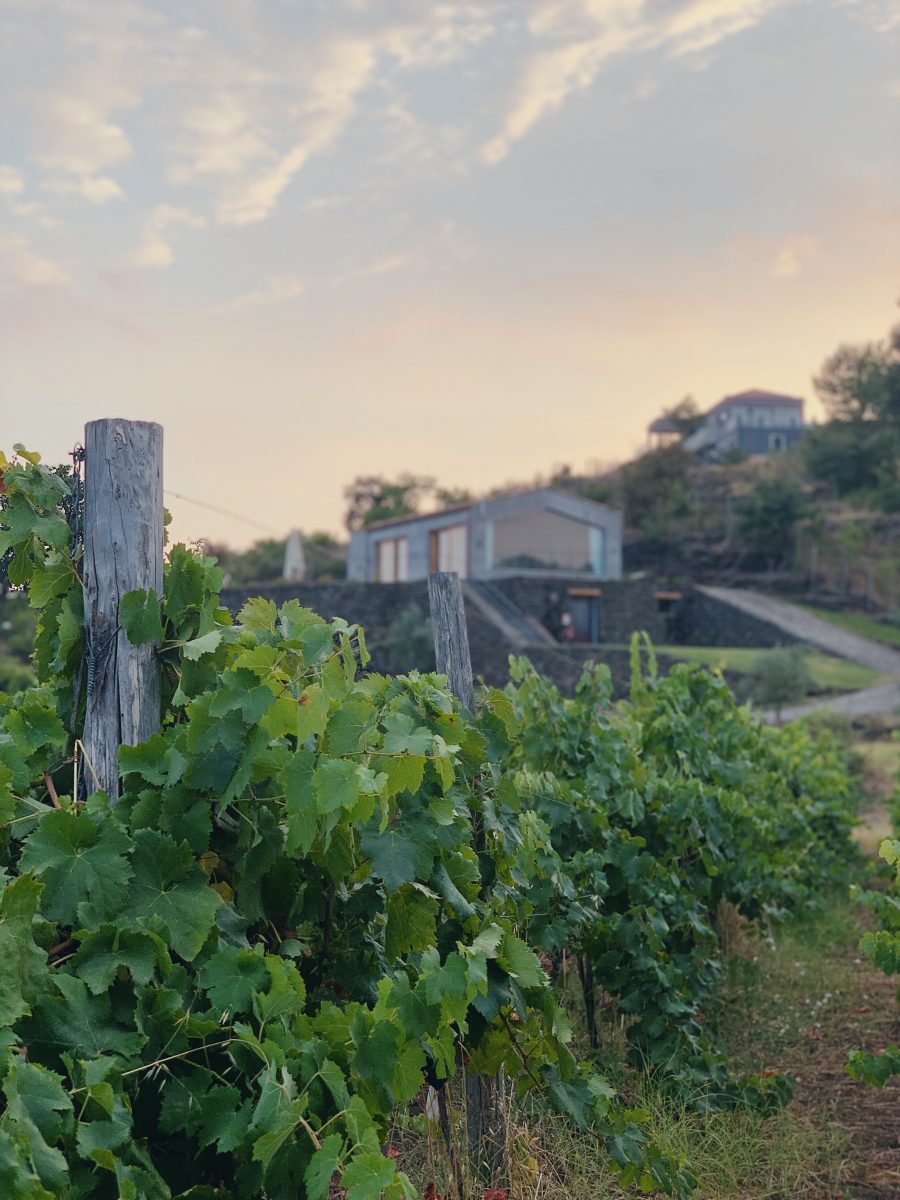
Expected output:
(472, 239)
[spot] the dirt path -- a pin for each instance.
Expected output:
(869, 1116)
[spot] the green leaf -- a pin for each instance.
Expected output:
(336, 784)
(140, 617)
(231, 978)
(50, 580)
(521, 962)
(367, 1175)
(322, 1166)
(312, 712)
(102, 955)
(403, 737)
(348, 727)
(266, 1147)
(33, 724)
(411, 916)
(24, 963)
(37, 1107)
(300, 802)
(224, 1119)
(258, 613)
(404, 772)
(82, 866)
(71, 1017)
(170, 893)
(206, 644)
(395, 859)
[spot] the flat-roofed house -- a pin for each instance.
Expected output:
(755, 422)
(544, 531)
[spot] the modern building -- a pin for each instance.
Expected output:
(754, 422)
(545, 531)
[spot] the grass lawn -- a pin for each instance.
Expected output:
(879, 631)
(828, 673)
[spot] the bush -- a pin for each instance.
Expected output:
(780, 677)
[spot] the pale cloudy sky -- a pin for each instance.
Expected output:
(470, 238)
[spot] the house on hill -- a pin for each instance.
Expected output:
(544, 531)
(755, 422)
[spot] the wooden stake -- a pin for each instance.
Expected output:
(485, 1118)
(123, 550)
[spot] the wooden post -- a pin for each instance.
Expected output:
(485, 1118)
(451, 639)
(123, 550)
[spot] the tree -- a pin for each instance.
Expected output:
(780, 677)
(685, 415)
(264, 560)
(372, 498)
(768, 516)
(657, 489)
(859, 449)
(855, 383)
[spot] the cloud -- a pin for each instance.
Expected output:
(154, 248)
(79, 138)
(549, 80)
(882, 15)
(588, 33)
(275, 289)
(98, 189)
(12, 182)
(793, 254)
(20, 264)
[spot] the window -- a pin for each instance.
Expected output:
(392, 560)
(449, 550)
(542, 540)
(776, 441)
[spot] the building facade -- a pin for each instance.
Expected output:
(754, 422)
(541, 531)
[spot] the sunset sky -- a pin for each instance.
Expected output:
(470, 238)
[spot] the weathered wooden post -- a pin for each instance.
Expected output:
(123, 550)
(485, 1118)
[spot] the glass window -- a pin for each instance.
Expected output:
(392, 560)
(544, 540)
(450, 550)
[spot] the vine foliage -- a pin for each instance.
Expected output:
(226, 983)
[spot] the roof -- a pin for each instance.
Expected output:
(408, 518)
(464, 508)
(758, 397)
(664, 425)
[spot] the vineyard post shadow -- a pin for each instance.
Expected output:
(123, 551)
(485, 1119)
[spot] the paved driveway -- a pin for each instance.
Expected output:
(882, 698)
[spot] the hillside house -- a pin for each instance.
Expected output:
(755, 422)
(545, 531)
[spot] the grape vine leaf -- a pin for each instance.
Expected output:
(322, 1167)
(82, 865)
(395, 859)
(24, 963)
(102, 953)
(140, 616)
(367, 1175)
(232, 977)
(411, 916)
(170, 893)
